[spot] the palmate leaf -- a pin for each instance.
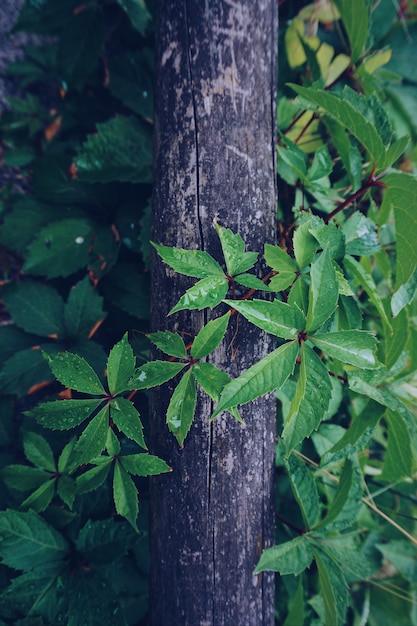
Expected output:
(120, 366)
(233, 246)
(63, 414)
(208, 292)
(281, 262)
(195, 263)
(180, 412)
(125, 495)
(310, 402)
(265, 376)
(75, 373)
(278, 318)
(324, 292)
(32, 591)
(209, 337)
(329, 236)
(292, 557)
(28, 542)
(355, 347)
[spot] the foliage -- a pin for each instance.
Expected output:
(339, 297)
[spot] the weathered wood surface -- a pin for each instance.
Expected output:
(214, 158)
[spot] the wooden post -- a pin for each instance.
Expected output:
(214, 158)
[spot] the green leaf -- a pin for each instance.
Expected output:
(127, 420)
(120, 150)
(93, 439)
(355, 347)
(291, 557)
(35, 307)
(113, 446)
(296, 613)
(170, 343)
(28, 542)
(180, 413)
(83, 309)
(144, 464)
(399, 459)
(401, 196)
(131, 81)
(22, 477)
(251, 282)
(324, 292)
(345, 113)
(138, 13)
(75, 373)
(60, 249)
(333, 588)
(195, 263)
(125, 495)
(128, 289)
(209, 337)
(63, 414)
(404, 294)
(120, 366)
(311, 400)
(154, 373)
(357, 435)
(38, 451)
(91, 600)
(24, 370)
(104, 541)
(356, 22)
(299, 295)
(292, 163)
(402, 555)
(347, 150)
(65, 488)
(212, 380)
(93, 478)
(279, 260)
(40, 499)
(233, 246)
(304, 489)
(208, 292)
(360, 235)
(347, 500)
(329, 236)
(278, 318)
(36, 588)
(282, 281)
(367, 282)
(265, 376)
(305, 245)
(80, 45)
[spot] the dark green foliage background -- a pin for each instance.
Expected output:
(74, 269)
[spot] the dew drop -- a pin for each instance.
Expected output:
(79, 240)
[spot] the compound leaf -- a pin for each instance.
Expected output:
(278, 318)
(75, 373)
(127, 420)
(209, 337)
(291, 557)
(120, 366)
(180, 413)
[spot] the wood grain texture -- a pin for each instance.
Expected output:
(214, 158)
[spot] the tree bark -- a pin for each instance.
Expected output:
(214, 158)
